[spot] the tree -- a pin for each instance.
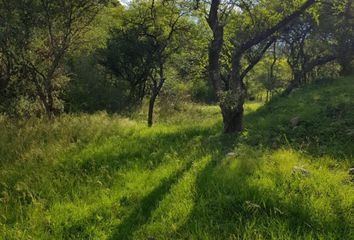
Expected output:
(128, 56)
(313, 42)
(45, 31)
(256, 38)
(271, 80)
(343, 24)
(140, 50)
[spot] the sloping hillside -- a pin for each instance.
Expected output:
(318, 119)
(105, 177)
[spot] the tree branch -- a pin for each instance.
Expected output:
(258, 57)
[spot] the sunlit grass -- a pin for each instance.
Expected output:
(108, 177)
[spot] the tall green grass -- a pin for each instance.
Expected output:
(107, 177)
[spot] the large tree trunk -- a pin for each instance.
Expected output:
(51, 111)
(232, 118)
(231, 107)
(215, 47)
(232, 103)
(214, 57)
(151, 109)
(45, 96)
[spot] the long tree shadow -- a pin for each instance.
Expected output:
(218, 145)
(141, 214)
(187, 145)
(143, 152)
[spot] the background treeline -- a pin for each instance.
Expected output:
(93, 55)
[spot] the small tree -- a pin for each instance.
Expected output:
(140, 50)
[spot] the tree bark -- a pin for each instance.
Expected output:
(215, 47)
(51, 108)
(151, 109)
(232, 118)
(214, 56)
(157, 86)
(232, 107)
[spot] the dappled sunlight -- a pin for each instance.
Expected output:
(252, 107)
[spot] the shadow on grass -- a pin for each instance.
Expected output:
(141, 214)
(142, 152)
(233, 204)
(230, 203)
(218, 145)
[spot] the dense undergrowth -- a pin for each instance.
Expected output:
(107, 177)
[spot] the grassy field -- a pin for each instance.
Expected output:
(108, 177)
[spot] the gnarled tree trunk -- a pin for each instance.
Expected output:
(232, 118)
(232, 98)
(215, 47)
(230, 104)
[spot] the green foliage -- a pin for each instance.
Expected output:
(36, 37)
(92, 89)
(128, 56)
(99, 30)
(189, 65)
(49, 63)
(259, 79)
(106, 177)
